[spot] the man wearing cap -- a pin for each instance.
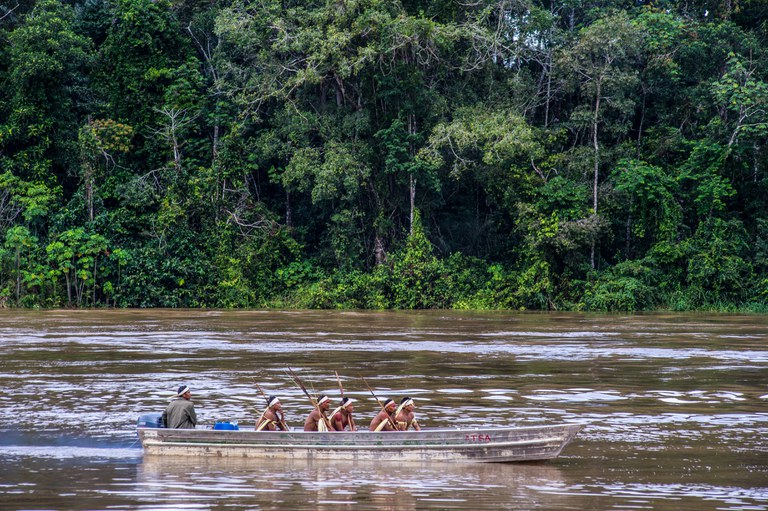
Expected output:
(272, 419)
(180, 413)
(341, 417)
(384, 420)
(405, 418)
(317, 421)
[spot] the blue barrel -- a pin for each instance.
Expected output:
(226, 425)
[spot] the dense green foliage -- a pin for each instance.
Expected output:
(527, 154)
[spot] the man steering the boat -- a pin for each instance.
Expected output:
(317, 420)
(273, 418)
(405, 417)
(384, 420)
(180, 413)
(341, 417)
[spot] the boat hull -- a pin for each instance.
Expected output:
(485, 445)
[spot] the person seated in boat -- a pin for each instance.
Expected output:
(405, 417)
(385, 419)
(317, 420)
(273, 418)
(341, 417)
(180, 413)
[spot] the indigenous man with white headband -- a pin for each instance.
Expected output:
(317, 421)
(180, 413)
(384, 420)
(341, 417)
(405, 417)
(273, 418)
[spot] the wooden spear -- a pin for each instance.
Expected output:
(341, 387)
(280, 417)
(352, 426)
(312, 400)
(389, 417)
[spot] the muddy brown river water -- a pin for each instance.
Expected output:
(676, 407)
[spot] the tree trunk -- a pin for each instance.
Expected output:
(288, 212)
(89, 190)
(728, 10)
(413, 199)
(340, 92)
(597, 150)
(176, 152)
(79, 291)
(378, 250)
(412, 178)
(597, 166)
(628, 231)
(18, 276)
(642, 121)
(69, 288)
(215, 148)
(756, 148)
(549, 89)
(93, 302)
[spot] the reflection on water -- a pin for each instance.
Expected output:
(291, 483)
(676, 406)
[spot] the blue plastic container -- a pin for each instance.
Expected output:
(226, 425)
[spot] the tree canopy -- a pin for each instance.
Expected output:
(526, 154)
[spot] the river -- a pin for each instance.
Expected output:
(675, 406)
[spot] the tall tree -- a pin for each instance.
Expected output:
(602, 65)
(145, 65)
(368, 66)
(45, 85)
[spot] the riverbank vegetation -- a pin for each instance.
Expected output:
(516, 154)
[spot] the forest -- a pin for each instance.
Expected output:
(586, 155)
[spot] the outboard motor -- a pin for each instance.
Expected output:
(150, 420)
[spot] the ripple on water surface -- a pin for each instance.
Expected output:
(674, 406)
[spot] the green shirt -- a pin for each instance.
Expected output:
(180, 414)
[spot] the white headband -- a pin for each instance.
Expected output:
(322, 400)
(347, 403)
(183, 391)
(408, 402)
(273, 401)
